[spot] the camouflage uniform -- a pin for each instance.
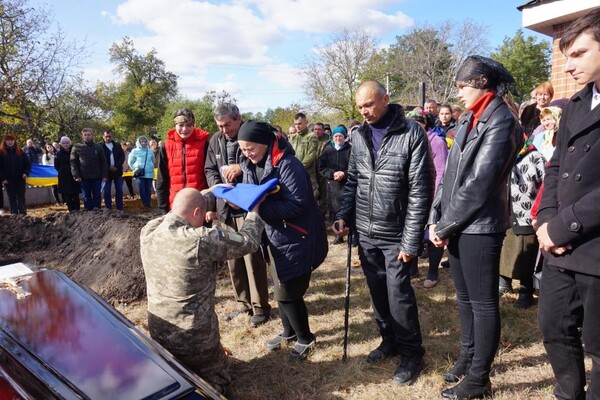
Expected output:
(180, 263)
(305, 145)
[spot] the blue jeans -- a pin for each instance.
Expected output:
(145, 186)
(118, 181)
(90, 189)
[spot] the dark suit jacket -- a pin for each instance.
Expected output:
(119, 156)
(571, 199)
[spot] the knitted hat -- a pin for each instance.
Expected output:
(340, 129)
(256, 132)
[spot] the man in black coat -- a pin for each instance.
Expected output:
(569, 219)
(389, 187)
(115, 157)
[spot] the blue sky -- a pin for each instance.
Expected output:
(254, 49)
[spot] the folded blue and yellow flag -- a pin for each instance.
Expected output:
(246, 195)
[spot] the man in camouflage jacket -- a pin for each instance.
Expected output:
(180, 259)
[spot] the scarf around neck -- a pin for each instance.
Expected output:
(479, 106)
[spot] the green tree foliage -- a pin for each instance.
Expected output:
(337, 69)
(36, 66)
(140, 101)
(282, 116)
(202, 108)
(71, 110)
(527, 60)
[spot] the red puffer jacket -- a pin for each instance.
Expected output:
(181, 164)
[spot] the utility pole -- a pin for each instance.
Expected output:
(387, 83)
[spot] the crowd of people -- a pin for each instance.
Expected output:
(507, 191)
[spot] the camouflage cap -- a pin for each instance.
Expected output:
(183, 119)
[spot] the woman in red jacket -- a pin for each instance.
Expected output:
(181, 159)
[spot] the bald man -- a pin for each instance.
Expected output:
(387, 196)
(180, 259)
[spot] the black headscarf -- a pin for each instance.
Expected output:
(484, 73)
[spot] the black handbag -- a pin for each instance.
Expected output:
(140, 171)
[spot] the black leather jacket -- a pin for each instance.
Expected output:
(392, 196)
(473, 195)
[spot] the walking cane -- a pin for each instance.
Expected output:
(347, 300)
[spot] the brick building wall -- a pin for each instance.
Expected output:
(564, 85)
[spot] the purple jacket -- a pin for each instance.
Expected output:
(439, 151)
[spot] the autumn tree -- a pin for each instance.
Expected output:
(527, 60)
(337, 68)
(36, 65)
(432, 55)
(74, 108)
(140, 100)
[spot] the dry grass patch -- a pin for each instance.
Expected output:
(521, 370)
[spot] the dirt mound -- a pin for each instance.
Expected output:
(99, 249)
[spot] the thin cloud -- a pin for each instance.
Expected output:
(317, 16)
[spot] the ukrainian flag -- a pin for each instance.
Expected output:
(42, 175)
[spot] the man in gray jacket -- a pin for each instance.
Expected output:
(89, 167)
(248, 273)
(387, 196)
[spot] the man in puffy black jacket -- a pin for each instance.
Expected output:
(389, 189)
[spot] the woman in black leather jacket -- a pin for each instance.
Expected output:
(470, 214)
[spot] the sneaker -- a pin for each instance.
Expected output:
(383, 351)
(258, 320)
(428, 283)
(234, 314)
(301, 351)
(278, 341)
(409, 369)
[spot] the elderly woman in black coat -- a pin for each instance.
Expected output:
(67, 186)
(470, 214)
(294, 227)
(333, 166)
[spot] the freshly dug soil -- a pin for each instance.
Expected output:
(99, 249)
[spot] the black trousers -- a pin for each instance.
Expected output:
(568, 313)
(475, 263)
(16, 196)
(72, 201)
(392, 296)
